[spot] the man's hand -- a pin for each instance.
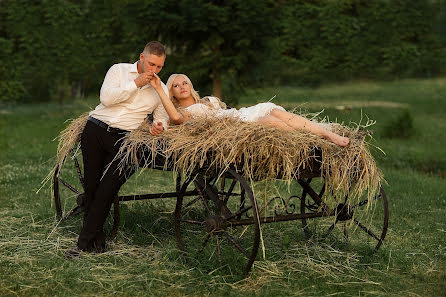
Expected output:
(156, 128)
(144, 78)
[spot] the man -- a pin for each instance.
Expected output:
(126, 99)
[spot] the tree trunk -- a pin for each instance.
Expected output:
(77, 89)
(216, 83)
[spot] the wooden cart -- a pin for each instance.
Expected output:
(218, 217)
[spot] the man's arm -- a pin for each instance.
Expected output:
(113, 89)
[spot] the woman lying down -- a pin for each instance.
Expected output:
(184, 103)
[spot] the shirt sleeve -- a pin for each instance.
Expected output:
(159, 113)
(114, 88)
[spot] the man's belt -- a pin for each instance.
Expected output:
(105, 126)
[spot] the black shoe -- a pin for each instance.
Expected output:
(99, 242)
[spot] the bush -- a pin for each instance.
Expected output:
(400, 127)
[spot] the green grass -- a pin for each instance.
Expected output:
(144, 259)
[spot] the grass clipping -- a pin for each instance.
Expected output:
(258, 152)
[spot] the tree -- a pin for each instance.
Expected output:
(52, 49)
(216, 40)
(345, 39)
(45, 45)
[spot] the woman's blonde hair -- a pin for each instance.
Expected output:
(169, 85)
(194, 93)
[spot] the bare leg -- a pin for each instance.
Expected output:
(275, 122)
(289, 121)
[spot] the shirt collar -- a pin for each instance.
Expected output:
(134, 68)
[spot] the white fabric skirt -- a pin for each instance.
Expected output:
(253, 113)
(246, 114)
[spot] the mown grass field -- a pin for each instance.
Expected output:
(144, 260)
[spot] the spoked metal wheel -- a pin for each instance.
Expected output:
(69, 189)
(364, 222)
(220, 224)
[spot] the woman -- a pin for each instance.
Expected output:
(184, 102)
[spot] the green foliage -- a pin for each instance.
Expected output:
(46, 47)
(10, 84)
(335, 40)
(62, 48)
(53, 49)
(213, 41)
(400, 127)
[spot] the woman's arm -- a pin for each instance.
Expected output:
(174, 115)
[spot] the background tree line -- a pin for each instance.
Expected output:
(59, 49)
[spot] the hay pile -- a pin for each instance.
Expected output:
(259, 152)
(70, 137)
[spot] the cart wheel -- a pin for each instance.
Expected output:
(68, 187)
(68, 191)
(221, 223)
(363, 222)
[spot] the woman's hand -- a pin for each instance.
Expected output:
(155, 82)
(144, 78)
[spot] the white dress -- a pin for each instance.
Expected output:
(246, 114)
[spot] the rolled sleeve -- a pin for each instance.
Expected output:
(114, 90)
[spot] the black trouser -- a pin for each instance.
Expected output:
(99, 148)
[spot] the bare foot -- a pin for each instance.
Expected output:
(339, 140)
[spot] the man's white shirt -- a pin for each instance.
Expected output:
(123, 104)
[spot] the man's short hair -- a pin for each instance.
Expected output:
(155, 48)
